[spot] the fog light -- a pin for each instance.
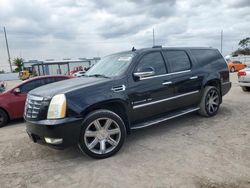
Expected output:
(53, 140)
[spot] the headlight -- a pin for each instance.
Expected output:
(57, 107)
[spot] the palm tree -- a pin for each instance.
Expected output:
(18, 62)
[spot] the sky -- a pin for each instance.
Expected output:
(45, 29)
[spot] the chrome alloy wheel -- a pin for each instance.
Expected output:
(212, 101)
(102, 135)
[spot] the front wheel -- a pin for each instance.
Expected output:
(103, 134)
(210, 101)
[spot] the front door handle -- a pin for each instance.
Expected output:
(166, 83)
(193, 77)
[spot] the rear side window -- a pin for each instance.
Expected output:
(206, 56)
(153, 60)
(178, 60)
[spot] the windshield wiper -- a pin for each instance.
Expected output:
(98, 75)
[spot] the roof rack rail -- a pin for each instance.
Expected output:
(158, 46)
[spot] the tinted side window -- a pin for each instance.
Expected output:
(31, 85)
(178, 60)
(153, 60)
(60, 78)
(49, 80)
(206, 56)
(52, 80)
(237, 62)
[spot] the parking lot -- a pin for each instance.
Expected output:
(190, 151)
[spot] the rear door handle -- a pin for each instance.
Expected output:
(166, 83)
(193, 77)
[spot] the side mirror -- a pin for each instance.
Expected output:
(145, 72)
(17, 90)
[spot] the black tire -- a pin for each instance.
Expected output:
(232, 69)
(244, 88)
(99, 115)
(205, 104)
(3, 118)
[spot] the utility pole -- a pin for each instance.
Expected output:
(7, 46)
(153, 37)
(221, 41)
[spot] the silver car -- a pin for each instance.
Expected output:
(244, 78)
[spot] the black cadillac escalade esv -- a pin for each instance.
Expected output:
(125, 91)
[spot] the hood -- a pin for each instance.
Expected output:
(65, 86)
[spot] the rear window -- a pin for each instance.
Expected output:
(206, 56)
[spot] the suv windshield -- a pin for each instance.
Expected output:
(111, 65)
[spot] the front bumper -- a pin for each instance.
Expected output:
(225, 87)
(67, 130)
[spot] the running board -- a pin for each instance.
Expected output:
(165, 118)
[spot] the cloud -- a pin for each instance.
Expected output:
(153, 8)
(41, 29)
(238, 3)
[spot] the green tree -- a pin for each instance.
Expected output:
(18, 62)
(244, 47)
(245, 43)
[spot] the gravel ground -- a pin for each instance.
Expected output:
(190, 151)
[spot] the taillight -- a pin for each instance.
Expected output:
(241, 73)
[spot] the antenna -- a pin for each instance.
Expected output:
(221, 41)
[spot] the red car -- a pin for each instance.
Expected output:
(12, 101)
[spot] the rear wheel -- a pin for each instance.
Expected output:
(103, 134)
(210, 101)
(244, 88)
(3, 118)
(232, 69)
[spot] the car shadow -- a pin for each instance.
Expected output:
(15, 122)
(161, 129)
(188, 120)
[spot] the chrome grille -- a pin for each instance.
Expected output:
(32, 106)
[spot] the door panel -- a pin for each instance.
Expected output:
(147, 95)
(187, 87)
(17, 104)
(186, 83)
(148, 98)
